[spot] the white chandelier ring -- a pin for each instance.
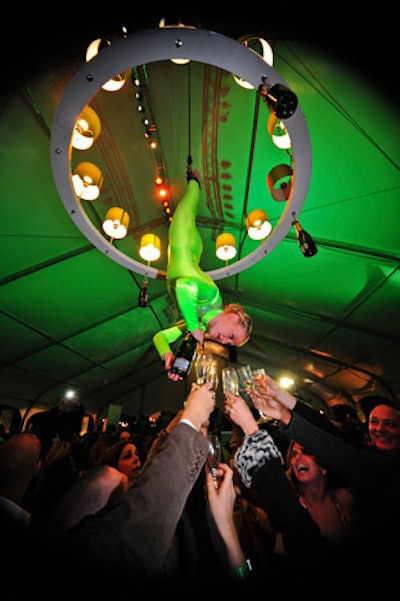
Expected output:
(165, 44)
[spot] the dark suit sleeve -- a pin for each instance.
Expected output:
(135, 534)
(317, 418)
(355, 466)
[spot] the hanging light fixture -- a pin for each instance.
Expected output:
(178, 42)
(116, 223)
(86, 130)
(266, 53)
(258, 225)
(150, 250)
(115, 83)
(180, 61)
(150, 247)
(226, 247)
(199, 45)
(282, 101)
(279, 182)
(278, 132)
(306, 243)
(87, 181)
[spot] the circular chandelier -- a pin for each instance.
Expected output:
(165, 44)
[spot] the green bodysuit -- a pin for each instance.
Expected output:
(195, 292)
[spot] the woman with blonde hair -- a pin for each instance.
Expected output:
(197, 296)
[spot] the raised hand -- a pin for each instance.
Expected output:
(238, 411)
(199, 404)
(270, 399)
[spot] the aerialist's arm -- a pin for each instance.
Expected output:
(163, 339)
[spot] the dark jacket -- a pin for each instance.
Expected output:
(133, 540)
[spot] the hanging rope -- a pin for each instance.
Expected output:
(189, 158)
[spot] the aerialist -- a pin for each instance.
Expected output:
(197, 295)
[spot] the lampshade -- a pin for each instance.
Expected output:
(278, 132)
(86, 130)
(279, 182)
(180, 61)
(258, 225)
(282, 101)
(150, 247)
(266, 53)
(178, 43)
(114, 84)
(116, 223)
(226, 247)
(87, 180)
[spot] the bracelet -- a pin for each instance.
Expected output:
(244, 570)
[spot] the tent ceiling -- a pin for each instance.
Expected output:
(69, 314)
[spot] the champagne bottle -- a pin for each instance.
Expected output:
(306, 243)
(184, 356)
(144, 295)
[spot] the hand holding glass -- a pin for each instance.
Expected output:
(250, 378)
(214, 456)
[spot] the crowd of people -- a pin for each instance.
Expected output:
(325, 506)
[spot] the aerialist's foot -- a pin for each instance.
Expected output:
(193, 175)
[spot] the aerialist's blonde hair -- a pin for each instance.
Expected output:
(245, 318)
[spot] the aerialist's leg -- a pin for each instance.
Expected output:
(186, 281)
(185, 243)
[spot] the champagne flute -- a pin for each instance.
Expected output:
(202, 365)
(214, 456)
(257, 375)
(213, 375)
(245, 374)
(248, 377)
(230, 380)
